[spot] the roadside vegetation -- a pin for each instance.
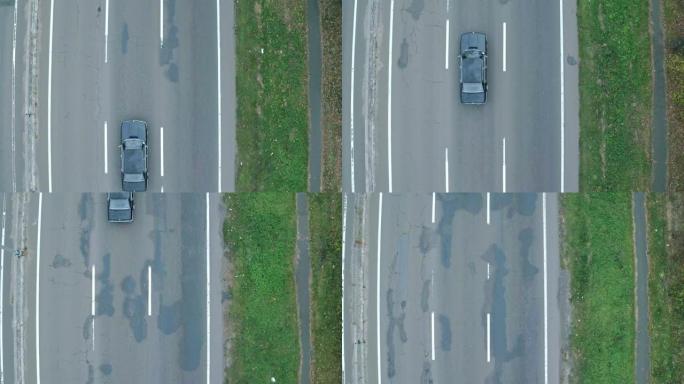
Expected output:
(598, 250)
(260, 235)
(272, 108)
(331, 82)
(674, 72)
(666, 286)
(325, 226)
(615, 95)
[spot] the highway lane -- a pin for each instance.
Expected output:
(407, 128)
(105, 62)
(455, 296)
(119, 327)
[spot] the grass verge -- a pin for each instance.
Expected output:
(666, 286)
(674, 72)
(331, 36)
(598, 248)
(260, 234)
(615, 95)
(272, 108)
(325, 225)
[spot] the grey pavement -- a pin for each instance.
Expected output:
(642, 366)
(524, 103)
(434, 280)
(171, 85)
(121, 343)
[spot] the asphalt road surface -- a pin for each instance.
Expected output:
(470, 294)
(104, 62)
(405, 129)
(119, 303)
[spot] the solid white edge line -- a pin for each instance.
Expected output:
(432, 330)
(488, 338)
(488, 211)
(14, 96)
(446, 169)
(488, 268)
(92, 291)
(546, 330)
(389, 98)
(149, 290)
(49, 101)
(208, 295)
(344, 241)
(351, 104)
(2, 294)
(504, 46)
(106, 169)
(503, 165)
(377, 309)
(106, 31)
(562, 102)
(161, 151)
(161, 23)
(446, 52)
(40, 215)
(433, 207)
(218, 56)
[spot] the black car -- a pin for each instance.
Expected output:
(473, 62)
(120, 207)
(134, 156)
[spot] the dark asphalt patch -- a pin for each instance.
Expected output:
(450, 204)
(134, 309)
(445, 333)
(85, 212)
(403, 54)
(60, 261)
(105, 296)
(124, 38)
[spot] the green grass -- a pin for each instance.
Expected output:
(272, 108)
(260, 234)
(325, 224)
(598, 248)
(674, 63)
(615, 95)
(666, 288)
(331, 31)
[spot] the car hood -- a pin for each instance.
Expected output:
(473, 40)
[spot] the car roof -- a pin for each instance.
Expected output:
(472, 69)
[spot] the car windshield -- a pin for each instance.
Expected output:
(473, 88)
(119, 204)
(133, 177)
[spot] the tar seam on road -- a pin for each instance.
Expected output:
(546, 310)
(218, 57)
(659, 101)
(207, 261)
(643, 342)
(14, 91)
(105, 147)
(344, 242)
(389, 98)
(49, 115)
(562, 101)
(106, 32)
(377, 288)
(40, 215)
(2, 295)
(315, 150)
(351, 104)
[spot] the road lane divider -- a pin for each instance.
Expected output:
(546, 310)
(161, 23)
(2, 294)
(489, 339)
(218, 75)
(432, 329)
(377, 290)
(105, 148)
(488, 267)
(562, 102)
(446, 169)
(351, 100)
(344, 242)
(149, 290)
(503, 166)
(161, 152)
(106, 32)
(49, 100)
(207, 261)
(446, 53)
(433, 207)
(487, 208)
(40, 221)
(504, 46)
(389, 98)
(92, 305)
